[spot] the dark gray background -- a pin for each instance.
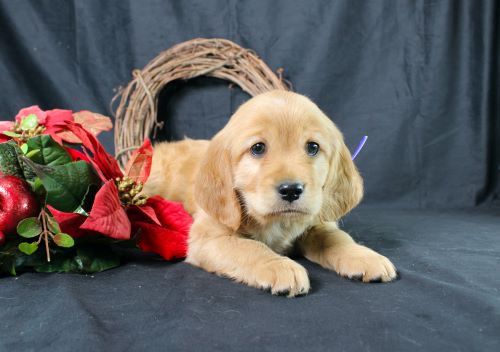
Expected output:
(420, 78)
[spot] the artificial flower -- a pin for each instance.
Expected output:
(52, 122)
(119, 210)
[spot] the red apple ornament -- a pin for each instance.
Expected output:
(16, 203)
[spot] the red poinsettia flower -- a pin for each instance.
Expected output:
(35, 110)
(77, 155)
(53, 122)
(5, 126)
(162, 226)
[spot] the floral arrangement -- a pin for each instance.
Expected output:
(65, 204)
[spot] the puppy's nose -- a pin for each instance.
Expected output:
(290, 191)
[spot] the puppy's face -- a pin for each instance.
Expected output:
(279, 156)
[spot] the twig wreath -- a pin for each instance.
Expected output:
(136, 114)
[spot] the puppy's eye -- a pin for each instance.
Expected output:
(258, 149)
(312, 148)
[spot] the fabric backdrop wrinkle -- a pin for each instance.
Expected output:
(420, 78)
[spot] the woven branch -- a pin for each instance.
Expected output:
(136, 115)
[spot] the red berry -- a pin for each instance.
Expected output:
(17, 202)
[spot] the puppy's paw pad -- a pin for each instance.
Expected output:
(376, 280)
(355, 277)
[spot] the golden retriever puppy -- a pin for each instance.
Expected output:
(274, 180)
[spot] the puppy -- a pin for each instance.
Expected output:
(274, 180)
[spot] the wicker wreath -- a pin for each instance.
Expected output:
(136, 115)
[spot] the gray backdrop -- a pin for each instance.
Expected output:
(420, 78)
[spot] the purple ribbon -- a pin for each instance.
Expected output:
(360, 146)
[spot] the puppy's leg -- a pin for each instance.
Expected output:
(334, 249)
(247, 261)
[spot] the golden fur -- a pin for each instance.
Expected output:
(242, 228)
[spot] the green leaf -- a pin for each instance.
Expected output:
(92, 259)
(12, 261)
(9, 161)
(28, 248)
(29, 227)
(28, 173)
(8, 263)
(66, 185)
(53, 225)
(51, 152)
(24, 148)
(57, 264)
(38, 188)
(11, 134)
(32, 153)
(81, 211)
(88, 258)
(64, 240)
(29, 122)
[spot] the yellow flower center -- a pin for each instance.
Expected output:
(27, 134)
(130, 191)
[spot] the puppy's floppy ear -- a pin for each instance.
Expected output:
(213, 187)
(343, 189)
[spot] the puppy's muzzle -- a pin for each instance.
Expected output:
(290, 191)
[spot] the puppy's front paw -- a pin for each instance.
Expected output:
(356, 261)
(283, 275)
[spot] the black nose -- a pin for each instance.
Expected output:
(290, 191)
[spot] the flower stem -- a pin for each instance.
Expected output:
(45, 233)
